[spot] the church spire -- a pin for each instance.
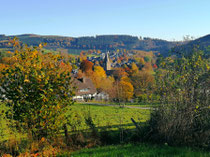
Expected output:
(107, 63)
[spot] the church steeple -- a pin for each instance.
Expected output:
(107, 63)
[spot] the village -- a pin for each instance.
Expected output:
(111, 63)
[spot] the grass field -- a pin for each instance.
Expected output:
(138, 150)
(136, 104)
(106, 116)
(111, 118)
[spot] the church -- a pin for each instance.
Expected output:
(107, 64)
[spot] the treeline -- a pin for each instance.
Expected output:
(102, 42)
(200, 44)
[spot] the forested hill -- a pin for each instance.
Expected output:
(101, 42)
(202, 43)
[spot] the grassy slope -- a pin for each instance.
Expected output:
(107, 116)
(103, 116)
(143, 150)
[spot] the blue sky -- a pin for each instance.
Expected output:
(165, 19)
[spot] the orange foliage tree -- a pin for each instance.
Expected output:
(87, 67)
(124, 91)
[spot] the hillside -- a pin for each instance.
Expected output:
(202, 43)
(101, 42)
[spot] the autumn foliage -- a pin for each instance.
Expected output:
(38, 87)
(124, 89)
(86, 67)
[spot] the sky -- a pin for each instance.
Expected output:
(164, 19)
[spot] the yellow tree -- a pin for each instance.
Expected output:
(98, 77)
(140, 60)
(99, 72)
(124, 89)
(82, 56)
(38, 90)
(107, 86)
(134, 69)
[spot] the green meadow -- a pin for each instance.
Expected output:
(138, 150)
(106, 116)
(103, 117)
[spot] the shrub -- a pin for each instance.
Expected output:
(38, 89)
(184, 116)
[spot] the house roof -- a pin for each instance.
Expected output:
(84, 86)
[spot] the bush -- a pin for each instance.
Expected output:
(180, 126)
(184, 116)
(38, 89)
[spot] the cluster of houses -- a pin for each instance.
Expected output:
(85, 87)
(112, 59)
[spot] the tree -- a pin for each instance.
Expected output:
(119, 73)
(140, 61)
(38, 90)
(134, 69)
(100, 72)
(181, 75)
(65, 66)
(98, 77)
(143, 83)
(124, 91)
(107, 86)
(147, 59)
(148, 67)
(86, 67)
(187, 38)
(82, 56)
(184, 116)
